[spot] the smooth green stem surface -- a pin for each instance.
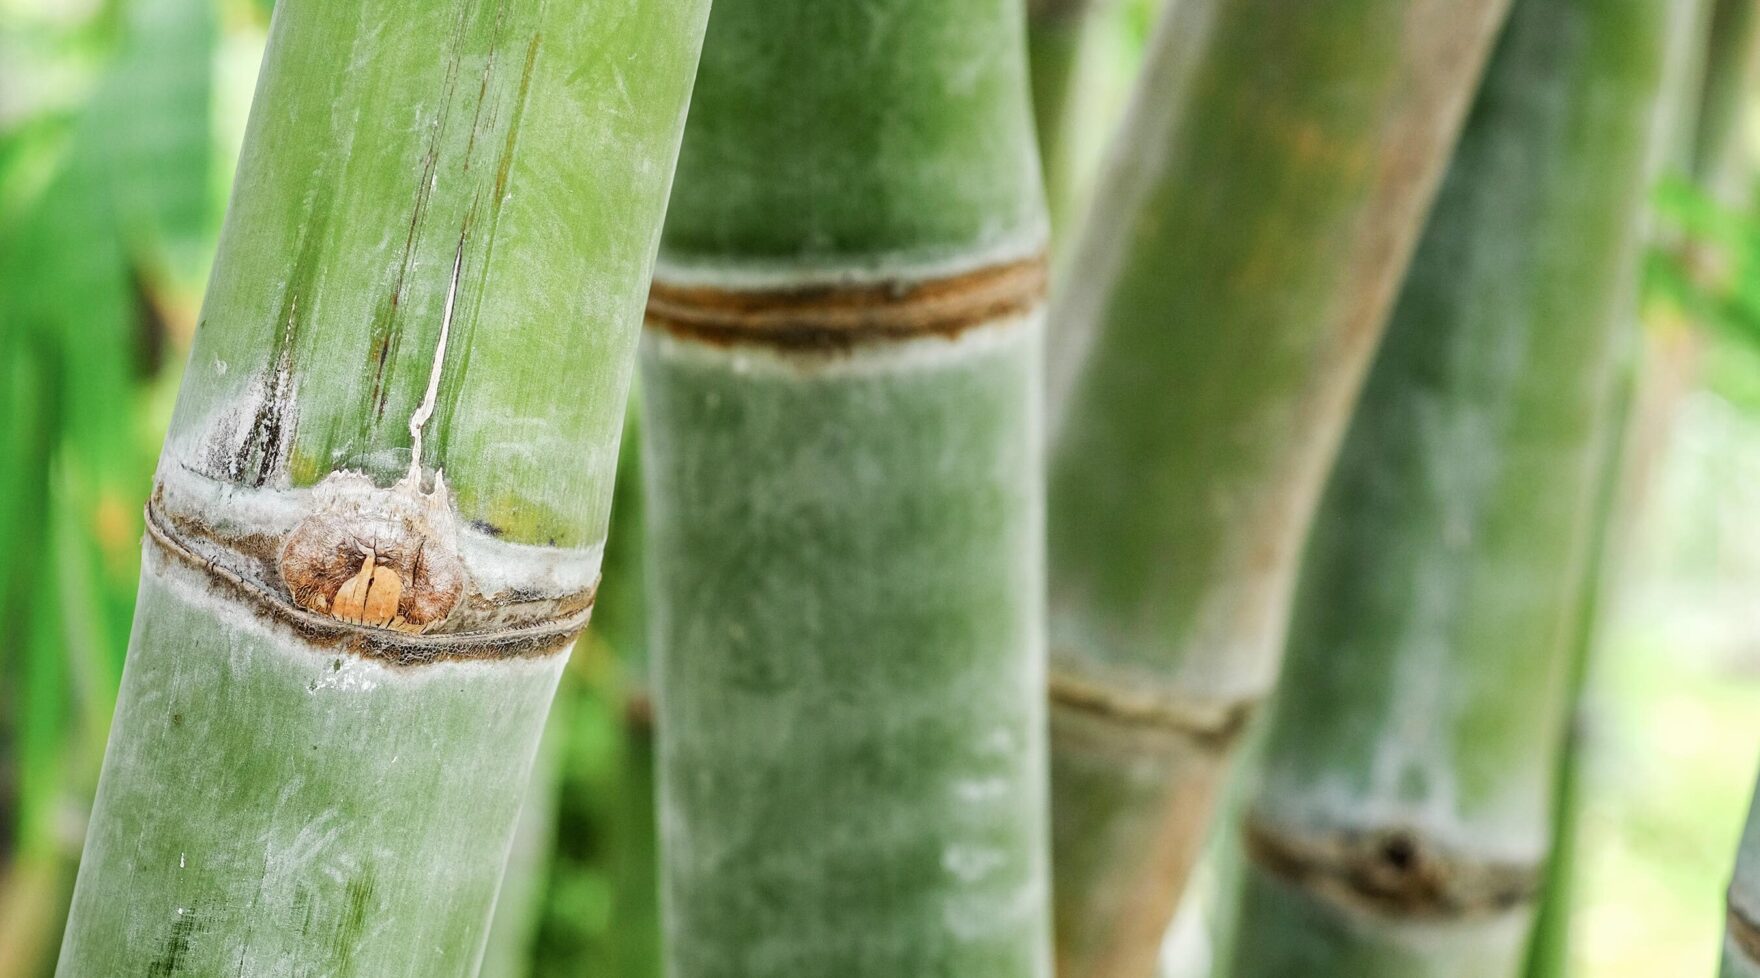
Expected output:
(1402, 821)
(846, 590)
(1223, 302)
(865, 137)
(414, 352)
(266, 809)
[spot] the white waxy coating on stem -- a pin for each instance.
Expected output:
(316, 818)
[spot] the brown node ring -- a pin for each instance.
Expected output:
(1392, 871)
(841, 315)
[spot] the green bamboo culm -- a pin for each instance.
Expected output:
(589, 802)
(844, 487)
(1222, 306)
(378, 517)
(1401, 823)
(1689, 70)
(632, 830)
(1731, 60)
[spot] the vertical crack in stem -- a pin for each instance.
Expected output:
(426, 410)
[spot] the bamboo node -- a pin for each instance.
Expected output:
(383, 573)
(840, 315)
(1213, 723)
(1392, 871)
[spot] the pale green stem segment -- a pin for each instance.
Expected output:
(380, 508)
(1403, 816)
(1222, 305)
(845, 500)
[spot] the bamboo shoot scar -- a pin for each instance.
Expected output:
(383, 557)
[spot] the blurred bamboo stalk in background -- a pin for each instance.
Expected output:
(1404, 812)
(1657, 372)
(378, 518)
(1224, 300)
(1731, 60)
(1057, 45)
(841, 387)
(602, 821)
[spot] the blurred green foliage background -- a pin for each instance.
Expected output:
(119, 124)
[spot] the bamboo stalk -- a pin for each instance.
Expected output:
(1222, 307)
(1403, 816)
(510, 948)
(606, 819)
(1731, 61)
(378, 515)
(637, 944)
(633, 829)
(844, 494)
(539, 928)
(1057, 41)
(1623, 485)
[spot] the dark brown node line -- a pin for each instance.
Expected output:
(396, 648)
(1212, 724)
(1390, 872)
(844, 315)
(1744, 932)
